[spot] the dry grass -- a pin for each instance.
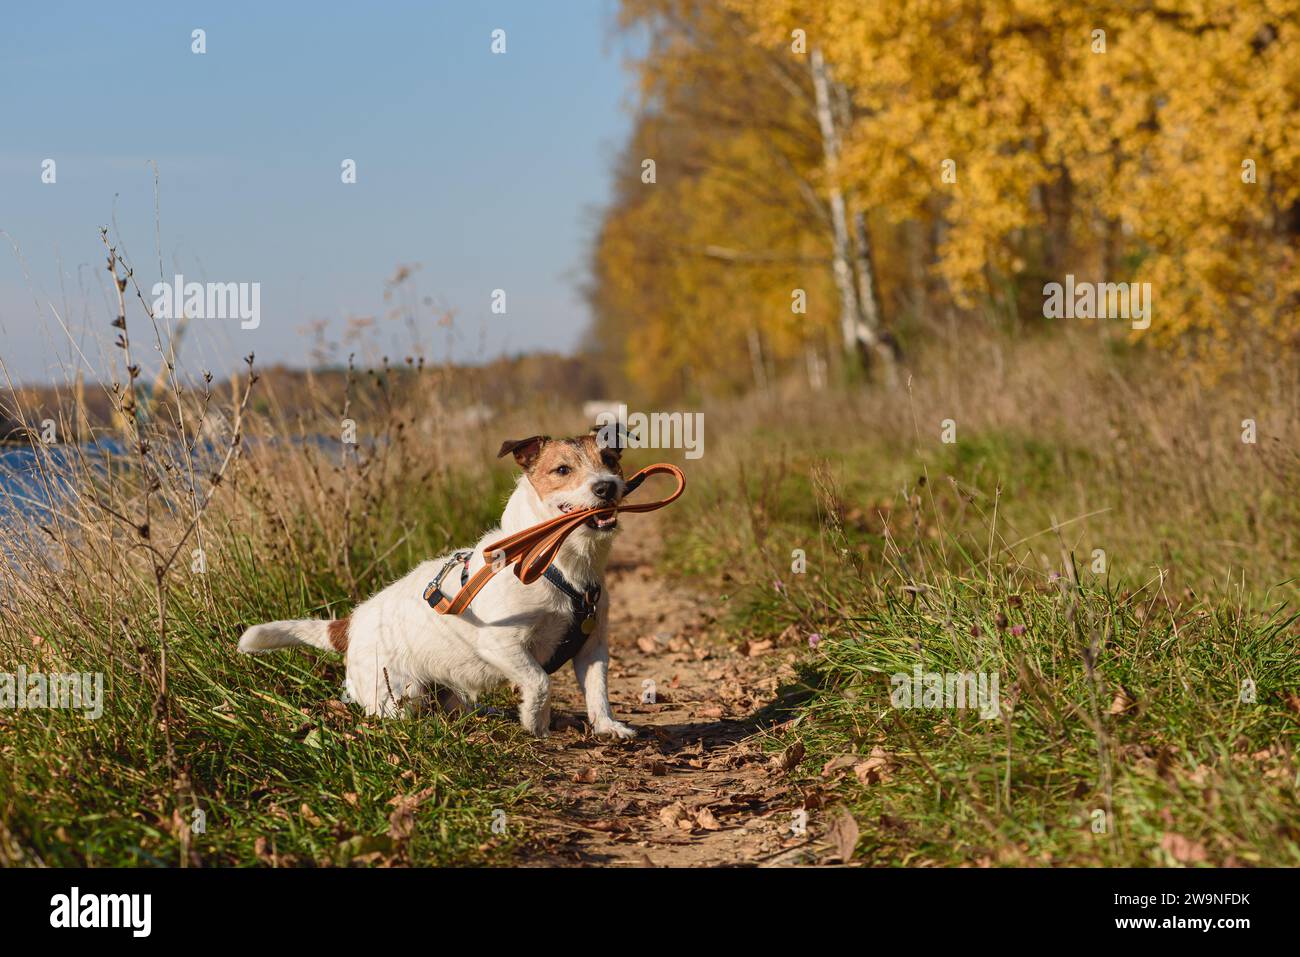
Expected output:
(1137, 461)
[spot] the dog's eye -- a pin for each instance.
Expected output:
(562, 470)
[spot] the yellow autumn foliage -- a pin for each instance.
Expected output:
(1146, 142)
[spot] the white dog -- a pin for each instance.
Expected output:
(398, 649)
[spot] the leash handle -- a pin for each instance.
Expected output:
(531, 551)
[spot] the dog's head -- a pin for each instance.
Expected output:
(571, 474)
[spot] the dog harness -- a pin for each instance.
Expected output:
(582, 621)
(531, 551)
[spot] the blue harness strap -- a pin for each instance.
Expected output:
(581, 625)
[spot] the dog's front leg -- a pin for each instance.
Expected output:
(591, 667)
(508, 654)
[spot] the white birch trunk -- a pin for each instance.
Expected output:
(859, 322)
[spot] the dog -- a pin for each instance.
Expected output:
(399, 652)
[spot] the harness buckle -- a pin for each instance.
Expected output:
(433, 594)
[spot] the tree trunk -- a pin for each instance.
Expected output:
(865, 264)
(816, 368)
(859, 324)
(756, 359)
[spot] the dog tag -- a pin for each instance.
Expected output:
(588, 624)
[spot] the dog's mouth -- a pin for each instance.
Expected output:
(601, 523)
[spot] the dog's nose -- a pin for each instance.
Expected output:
(606, 490)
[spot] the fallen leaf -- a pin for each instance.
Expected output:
(361, 847)
(874, 768)
(612, 825)
(401, 823)
(261, 849)
(586, 776)
(705, 819)
(673, 813)
(843, 834)
(1122, 702)
(789, 759)
(1182, 849)
(813, 800)
(648, 645)
(838, 762)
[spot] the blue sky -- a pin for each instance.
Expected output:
(487, 170)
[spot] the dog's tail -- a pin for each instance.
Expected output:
(329, 635)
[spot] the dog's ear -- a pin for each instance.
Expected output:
(611, 436)
(525, 450)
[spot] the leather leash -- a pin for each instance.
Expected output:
(531, 551)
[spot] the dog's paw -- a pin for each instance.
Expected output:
(615, 729)
(537, 724)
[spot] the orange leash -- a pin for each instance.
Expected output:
(532, 550)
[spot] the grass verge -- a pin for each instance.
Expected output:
(1148, 685)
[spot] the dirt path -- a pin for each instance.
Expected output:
(694, 788)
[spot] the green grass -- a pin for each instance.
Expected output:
(1187, 757)
(1123, 736)
(282, 772)
(266, 758)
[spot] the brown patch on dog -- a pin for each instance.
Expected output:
(338, 632)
